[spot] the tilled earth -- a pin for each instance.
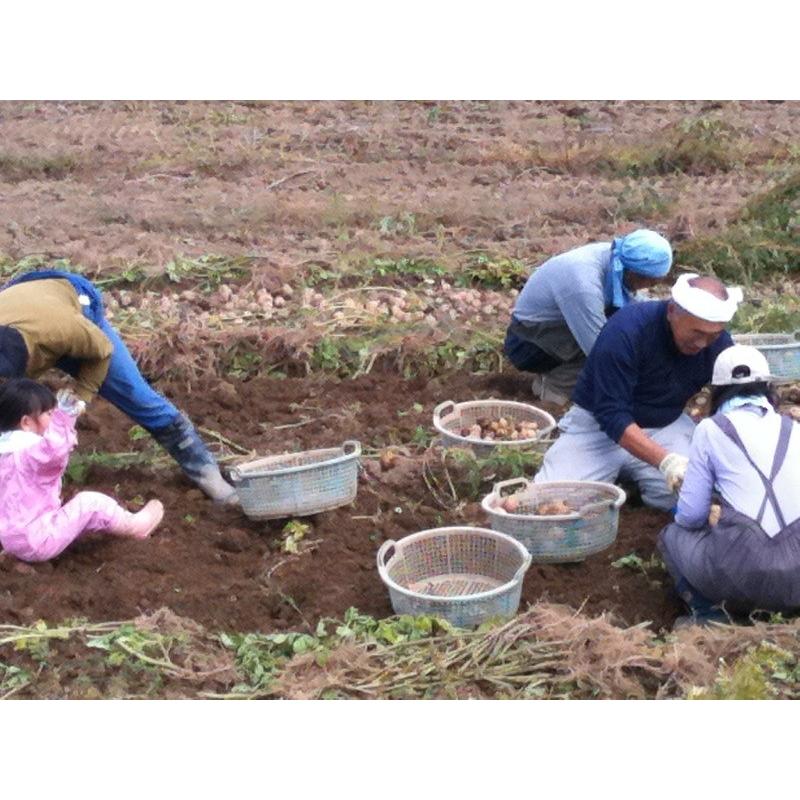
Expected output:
(227, 572)
(126, 187)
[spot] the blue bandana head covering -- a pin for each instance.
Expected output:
(643, 252)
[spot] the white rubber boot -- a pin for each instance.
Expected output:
(214, 486)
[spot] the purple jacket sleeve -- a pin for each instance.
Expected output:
(50, 456)
(694, 501)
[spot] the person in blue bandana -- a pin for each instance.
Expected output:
(567, 300)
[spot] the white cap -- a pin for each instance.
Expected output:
(740, 364)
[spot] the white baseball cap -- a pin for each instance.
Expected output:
(740, 364)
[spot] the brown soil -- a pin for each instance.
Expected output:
(227, 572)
(111, 186)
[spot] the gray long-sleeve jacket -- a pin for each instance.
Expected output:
(569, 287)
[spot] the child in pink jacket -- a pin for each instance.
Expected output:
(37, 433)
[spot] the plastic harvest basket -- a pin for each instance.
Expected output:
(298, 484)
(782, 351)
(465, 575)
(449, 418)
(553, 539)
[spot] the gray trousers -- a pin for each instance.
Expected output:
(583, 452)
(735, 562)
(555, 341)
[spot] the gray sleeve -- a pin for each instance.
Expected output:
(585, 314)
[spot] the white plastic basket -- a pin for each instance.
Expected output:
(558, 538)
(298, 484)
(449, 418)
(465, 575)
(782, 351)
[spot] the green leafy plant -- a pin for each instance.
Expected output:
(293, 533)
(12, 679)
(762, 240)
(22, 167)
(643, 201)
(637, 563)
(492, 272)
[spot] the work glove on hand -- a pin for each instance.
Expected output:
(673, 467)
(70, 403)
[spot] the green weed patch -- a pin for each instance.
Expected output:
(762, 241)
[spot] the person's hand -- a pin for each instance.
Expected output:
(714, 514)
(70, 403)
(673, 467)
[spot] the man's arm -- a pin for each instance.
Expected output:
(639, 444)
(585, 316)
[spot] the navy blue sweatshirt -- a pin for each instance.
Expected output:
(635, 373)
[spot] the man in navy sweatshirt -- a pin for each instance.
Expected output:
(648, 361)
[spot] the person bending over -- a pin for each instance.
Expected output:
(50, 319)
(566, 301)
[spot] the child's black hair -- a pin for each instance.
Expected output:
(21, 397)
(719, 394)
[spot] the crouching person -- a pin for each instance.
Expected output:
(37, 433)
(566, 301)
(744, 555)
(627, 420)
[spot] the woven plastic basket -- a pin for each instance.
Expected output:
(298, 484)
(449, 418)
(782, 351)
(465, 575)
(558, 538)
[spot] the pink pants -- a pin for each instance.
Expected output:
(53, 532)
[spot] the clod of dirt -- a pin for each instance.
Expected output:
(388, 458)
(233, 541)
(88, 423)
(24, 569)
(227, 396)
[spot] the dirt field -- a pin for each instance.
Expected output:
(300, 193)
(229, 573)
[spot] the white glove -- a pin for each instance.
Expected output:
(70, 403)
(673, 466)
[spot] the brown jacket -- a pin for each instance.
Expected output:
(49, 317)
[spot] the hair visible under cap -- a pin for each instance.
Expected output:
(20, 397)
(720, 394)
(708, 283)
